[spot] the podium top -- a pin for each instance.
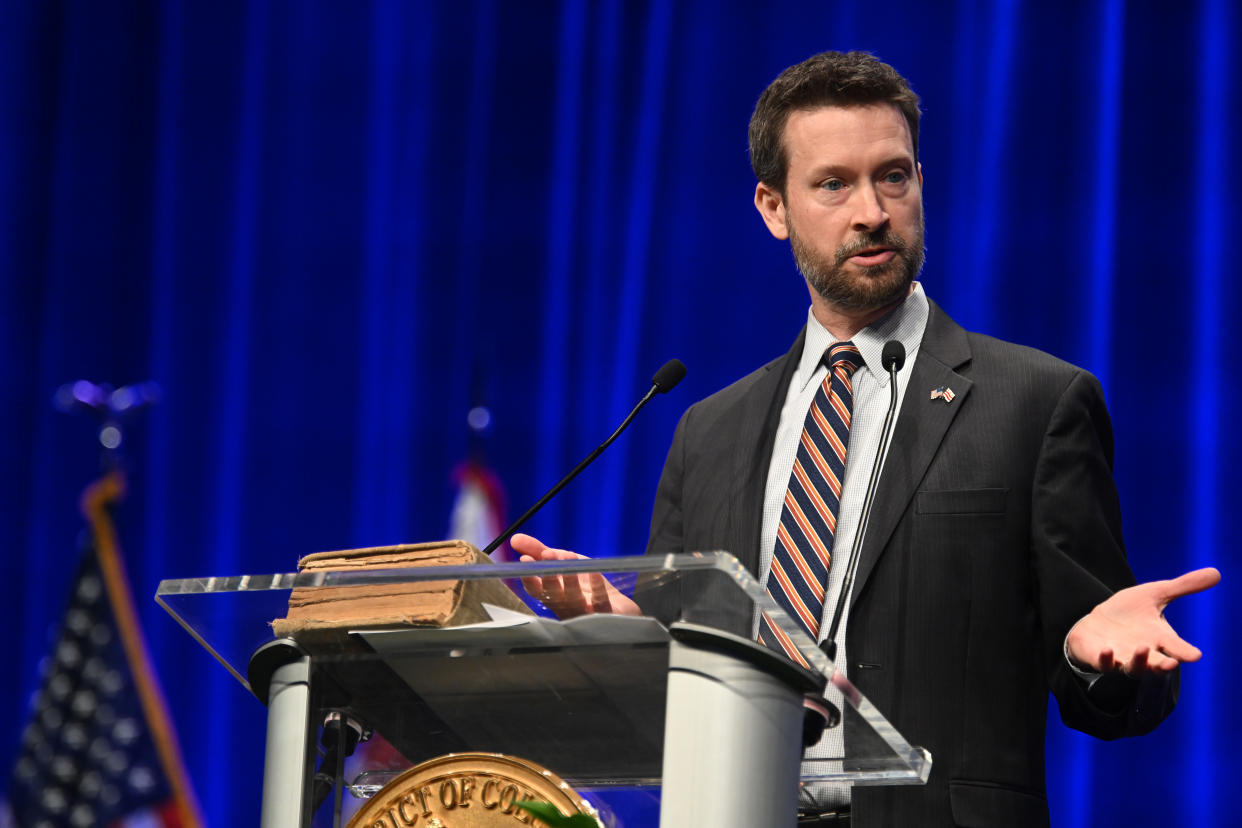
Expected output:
(534, 664)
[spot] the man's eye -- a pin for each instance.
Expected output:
(833, 184)
(895, 177)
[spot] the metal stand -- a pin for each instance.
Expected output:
(733, 732)
(611, 702)
(280, 676)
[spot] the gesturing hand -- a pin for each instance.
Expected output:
(1128, 632)
(570, 595)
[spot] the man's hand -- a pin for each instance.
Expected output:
(1128, 631)
(570, 595)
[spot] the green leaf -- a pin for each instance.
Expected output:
(547, 813)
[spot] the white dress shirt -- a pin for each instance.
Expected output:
(906, 324)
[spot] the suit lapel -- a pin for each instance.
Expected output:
(759, 417)
(920, 429)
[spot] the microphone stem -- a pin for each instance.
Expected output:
(517, 524)
(830, 643)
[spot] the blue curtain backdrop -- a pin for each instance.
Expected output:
(328, 229)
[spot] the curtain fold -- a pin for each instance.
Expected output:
(329, 230)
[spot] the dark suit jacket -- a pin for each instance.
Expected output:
(995, 527)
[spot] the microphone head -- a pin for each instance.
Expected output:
(668, 376)
(893, 357)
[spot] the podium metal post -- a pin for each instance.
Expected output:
(682, 699)
(732, 732)
(280, 676)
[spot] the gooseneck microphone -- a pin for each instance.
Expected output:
(671, 373)
(893, 357)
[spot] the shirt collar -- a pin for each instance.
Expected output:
(904, 323)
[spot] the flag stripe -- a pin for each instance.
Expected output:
(94, 506)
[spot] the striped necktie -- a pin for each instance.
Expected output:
(799, 572)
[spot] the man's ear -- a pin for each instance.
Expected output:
(771, 205)
(920, 166)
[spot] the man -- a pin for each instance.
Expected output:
(992, 569)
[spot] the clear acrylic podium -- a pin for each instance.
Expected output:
(679, 703)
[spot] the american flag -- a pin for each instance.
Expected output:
(478, 513)
(98, 749)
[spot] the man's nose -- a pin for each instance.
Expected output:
(869, 212)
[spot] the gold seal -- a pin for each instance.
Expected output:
(468, 790)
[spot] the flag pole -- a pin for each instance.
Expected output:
(94, 504)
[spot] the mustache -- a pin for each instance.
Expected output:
(881, 238)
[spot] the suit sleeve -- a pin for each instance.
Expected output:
(666, 536)
(658, 598)
(1079, 560)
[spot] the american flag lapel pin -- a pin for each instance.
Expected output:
(944, 392)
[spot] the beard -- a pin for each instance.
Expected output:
(865, 288)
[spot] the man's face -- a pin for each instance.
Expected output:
(853, 204)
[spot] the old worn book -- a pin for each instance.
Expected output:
(384, 605)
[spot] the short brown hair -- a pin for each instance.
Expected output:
(827, 79)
